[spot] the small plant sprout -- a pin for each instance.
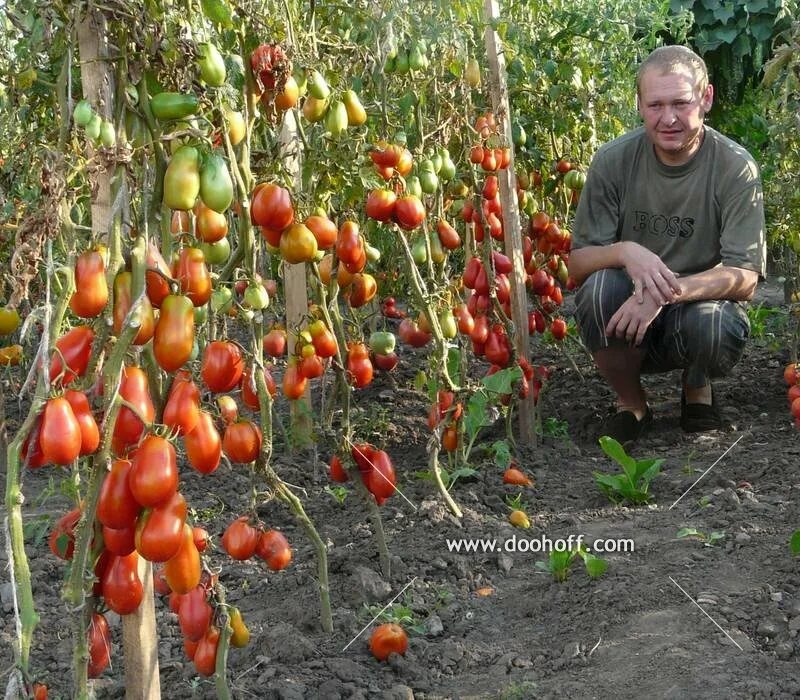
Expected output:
(338, 493)
(560, 563)
(633, 485)
(709, 540)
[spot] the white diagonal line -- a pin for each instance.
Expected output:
(706, 472)
(705, 613)
(378, 472)
(379, 614)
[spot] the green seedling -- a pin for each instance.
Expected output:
(501, 453)
(560, 563)
(517, 502)
(448, 478)
(338, 493)
(555, 428)
(794, 543)
(709, 540)
(633, 485)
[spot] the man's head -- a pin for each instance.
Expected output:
(674, 96)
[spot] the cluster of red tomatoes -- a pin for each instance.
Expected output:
(491, 154)
(242, 541)
(791, 375)
(375, 468)
(383, 204)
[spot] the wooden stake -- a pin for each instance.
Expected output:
(508, 198)
(139, 639)
(140, 644)
(294, 284)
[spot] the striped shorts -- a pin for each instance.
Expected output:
(705, 338)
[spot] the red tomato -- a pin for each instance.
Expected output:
(62, 536)
(182, 410)
(324, 231)
(274, 549)
(240, 539)
(129, 428)
(241, 442)
(116, 506)
(72, 353)
(200, 537)
(91, 289)
(558, 328)
(157, 276)
(193, 276)
(90, 433)
(159, 532)
(275, 342)
(294, 383)
(99, 636)
(122, 589)
(205, 656)
(160, 584)
(359, 366)
(194, 615)
(60, 436)
(381, 478)
(386, 639)
(381, 204)
(203, 445)
(122, 306)
(222, 365)
(183, 571)
(119, 542)
(174, 335)
(153, 477)
(409, 212)
(337, 471)
(271, 207)
(350, 246)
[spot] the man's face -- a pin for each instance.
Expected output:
(673, 113)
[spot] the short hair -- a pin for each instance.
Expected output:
(670, 59)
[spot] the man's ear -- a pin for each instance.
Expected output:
(707, 99)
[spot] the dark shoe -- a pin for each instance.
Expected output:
(700, 417)
(625, 428)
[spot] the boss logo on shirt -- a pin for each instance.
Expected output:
(659, 224)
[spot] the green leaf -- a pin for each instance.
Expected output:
(476, 416)
(724, 12)
(794, 543)
(218, 11)
(761, 27)
(502, 453)
(503, 381)
(454, 363)
(595, 566)
(689, 532)
(617, 452)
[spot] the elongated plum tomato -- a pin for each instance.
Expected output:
(91, 289)
(122, 588)
(195, 614)
(205, 656)
(154, 472)
(183, 571)
(381, 204)
(119, 542)
(72, 353)
(174, 335)
(60, 436)
(116, 506)
(193, 276)
(409, 212)
(294, 383)
(241, 442)
(272, 207)
(359, 367)
(203, 445)
(275, 342)
(90, 433)
(324, 231)
(62, 536)
(122, 306)
(240, 635)
(129, 426)
(222, 365)
(159, 531)
(274, 549)
(99, 637)
(182, 410)
(387, 639)
(240, 539)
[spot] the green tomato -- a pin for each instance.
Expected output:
(217, 253)
(200, 314)
(256, 297)
(93, 127)
(413, 186)
(318, 86)
(212, 65)
(82, 114)
(221, 300)
(428, 181)
(419, 251)
(373, 254)
(382, 342)
(448, 323)
(108, 137)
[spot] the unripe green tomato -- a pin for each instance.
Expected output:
(256, 297)
(318, 86)
(448, 169)
(82, 114)
(413, 186)
(419, 251)
(200, 314)
(436, 161)
(93, 127)
(373, 254)
(382, 342)
(448, 323)
(428, 181)
(212, 65)
(221, 300)
(401, 62)
(217, 253)
(108, 136)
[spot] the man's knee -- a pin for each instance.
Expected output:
(596, 301)
(715, 335)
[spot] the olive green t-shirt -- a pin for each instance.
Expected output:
(693, 216)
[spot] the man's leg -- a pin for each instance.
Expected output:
(618, 362)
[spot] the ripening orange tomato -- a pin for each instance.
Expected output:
(91, 289)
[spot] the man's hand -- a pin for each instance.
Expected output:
(633, 318)
(648, 272)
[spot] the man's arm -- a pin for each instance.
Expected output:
(721, 282)
(645, 268)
